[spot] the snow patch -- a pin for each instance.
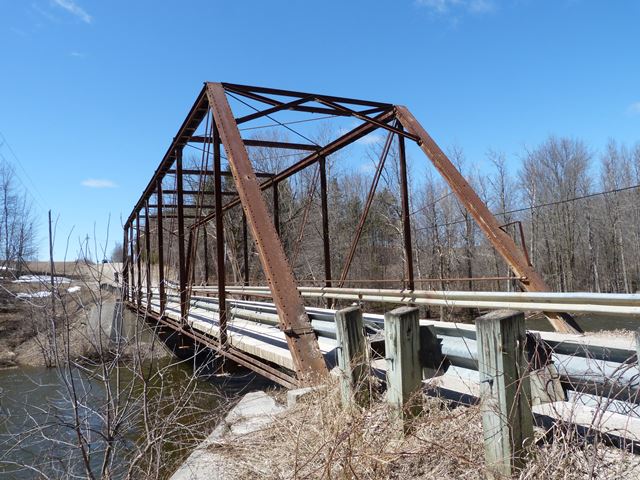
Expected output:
(75, 289)
(33, 295)
(40, 279)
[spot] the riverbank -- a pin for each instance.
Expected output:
(317, 438)
(88, 318)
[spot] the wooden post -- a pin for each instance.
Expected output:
(505, 396)
(351, 350)
(404, 372)
(637, 335)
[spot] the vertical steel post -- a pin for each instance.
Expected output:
(132, 277)
(206, 253)
(406, 215)
(159, 226)
(324, 204)
(245, 244)
(191, 256)
(138, 261)
(147, 249)
(276, 207)
(217, 186)
(181, 254)
(125, 263)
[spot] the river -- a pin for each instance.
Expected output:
(38, 420)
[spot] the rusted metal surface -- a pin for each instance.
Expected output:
(324, 206)
(138, 262)
(182, 281)
(125, 263)
(147, 252)
(483, 217)
(294, 321)
(205, 253)
(406, 215)
(132, 258)
(276, 207)
(245, 251)
(220, 256)
(160, 233)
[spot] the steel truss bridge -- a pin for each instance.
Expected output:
(268, 328)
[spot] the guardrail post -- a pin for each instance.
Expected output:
(351, 351)
(507, 421)
(404, 370)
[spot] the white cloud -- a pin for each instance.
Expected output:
(77, 54)
(634, 109)
(73, 8)
(98, 183)
(451, 6)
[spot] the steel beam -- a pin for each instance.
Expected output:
(138, 261)
(250, 142)
(205, 248)
(125, 263)
(245, 253)
(220, 256)
(147, 251)
(182, 282)
(160, 232)
(276, 207)
(324, 207)
(500, 240)
(295, 323)
(292, 93)
(191, 171)
(406, 215)
(132, 258)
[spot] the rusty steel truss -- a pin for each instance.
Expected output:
(221, 131)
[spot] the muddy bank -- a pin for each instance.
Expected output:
(89, 323)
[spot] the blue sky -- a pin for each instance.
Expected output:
(91, 93)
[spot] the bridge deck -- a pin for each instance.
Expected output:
(262, 340)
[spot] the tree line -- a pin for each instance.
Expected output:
(576, 213)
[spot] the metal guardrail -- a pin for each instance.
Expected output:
(583, 364)
(609, 303)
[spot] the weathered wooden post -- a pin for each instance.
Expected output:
(351, 350)
(637, 336)
(507, 421)
(404, 370)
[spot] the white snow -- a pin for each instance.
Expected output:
(75, 289)
(40, 279)
(33, 295)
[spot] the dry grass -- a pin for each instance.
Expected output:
(319, 439)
